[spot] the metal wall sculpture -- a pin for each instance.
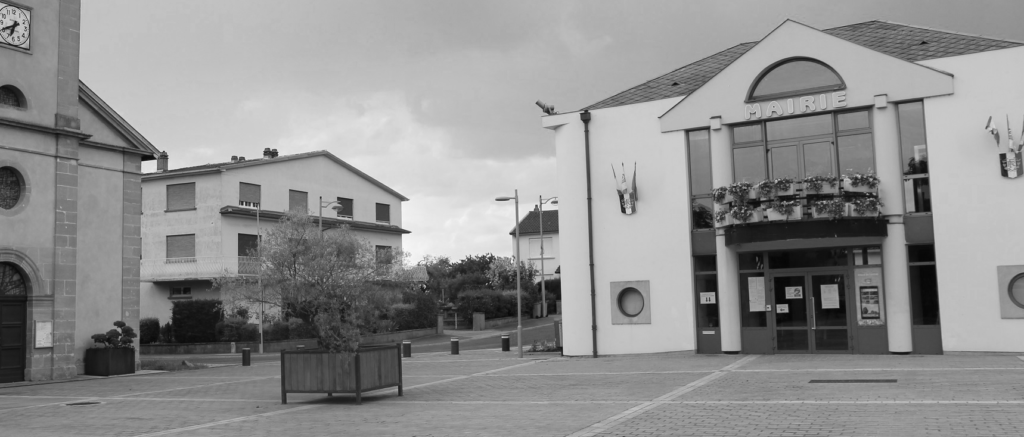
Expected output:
(627, 191)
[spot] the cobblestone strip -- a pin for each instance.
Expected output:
(884, 369)
(617, 419)
(194, 386)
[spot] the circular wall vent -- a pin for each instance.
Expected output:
(631, 302)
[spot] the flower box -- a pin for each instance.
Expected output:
(852, 212)
(774, 216)
(848, 187)
(321, 371)
(109, 361)
(790, 192)
(756, 216)
(814, 214)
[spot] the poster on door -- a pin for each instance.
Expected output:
(707, 298)
(829, 296)
(870, 296)
(782, 308)
(755, 291)
(794, 292)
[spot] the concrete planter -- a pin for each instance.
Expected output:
(370, 368)
(109, 361)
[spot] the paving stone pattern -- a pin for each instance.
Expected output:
(490, 393)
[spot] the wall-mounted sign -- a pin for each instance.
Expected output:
(782, 308)
(869, 303)
(707, 298)
(796, 105)
(44, 334)
(794, 292)
(627, 192)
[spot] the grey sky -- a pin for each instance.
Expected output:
(433, 98)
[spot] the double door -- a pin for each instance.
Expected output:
(811, 312)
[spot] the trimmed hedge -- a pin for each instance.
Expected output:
(149, 330)
(494, 303)
(195, 321)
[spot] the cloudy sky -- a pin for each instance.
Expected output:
(433, 98)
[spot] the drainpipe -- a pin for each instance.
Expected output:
(585, 117)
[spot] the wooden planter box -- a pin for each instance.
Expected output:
(861, 189)
(798, 213)
(109, 361)
(371, 368)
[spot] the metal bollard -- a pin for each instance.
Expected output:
(505, 343)
(455, 346)
(246, 359)
(407, 349)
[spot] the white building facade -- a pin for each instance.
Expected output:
(912, 251)
(539, 249)
(200, 223)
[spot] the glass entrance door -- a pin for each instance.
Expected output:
(830, 319)
(792, 324)
(811, 313)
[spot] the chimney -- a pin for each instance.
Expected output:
(267, 153)
(161, 162)
(241, 159)
(234, 158)
(273, 153)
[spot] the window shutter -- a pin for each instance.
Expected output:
(383, 212)
(181, 246)
(181, 196)
(248, 192)
(345, 208)
(298, 201)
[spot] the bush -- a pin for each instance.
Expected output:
(275, 331)
(553, 287)
(149, 330)
(299, 330)
(195, 321)
(167, 333)
(417, 311)
(231, 329)
(494, 303)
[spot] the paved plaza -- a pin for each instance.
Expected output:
(490, 393)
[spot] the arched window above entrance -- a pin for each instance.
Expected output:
(11, 281)
(794, 77)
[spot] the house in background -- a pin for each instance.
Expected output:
(200, 223)
(530, 239)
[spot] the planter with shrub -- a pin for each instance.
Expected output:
(746, 214)
(860, 183)
(780, 210)
(830, 208)
(821, 185)
(112, 353)
(866, 206)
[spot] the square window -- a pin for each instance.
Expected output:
(249, 195)
(345, 208)
(383, 213)
(181, 197)
(298, 202)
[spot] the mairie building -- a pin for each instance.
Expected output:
(852, 190)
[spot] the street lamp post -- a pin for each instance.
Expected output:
(323, 205)
(543, 293)
(519, 300)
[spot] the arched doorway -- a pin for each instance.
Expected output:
(13, 316)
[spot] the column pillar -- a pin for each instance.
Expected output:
(131, 242)
(898, 313)
(727, 260)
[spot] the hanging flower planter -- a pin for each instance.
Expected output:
(722, 216)
(860, 183)
(746, 214)
(785, 210)
(821, 185)
(740, 192)
(830, 209)
(865, 207)
(785, 187)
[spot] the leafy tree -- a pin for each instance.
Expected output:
(119, 337)
(334, 281)
(502, 274)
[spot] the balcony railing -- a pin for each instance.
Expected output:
(200, 267)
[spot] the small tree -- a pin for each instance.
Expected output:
(334, 280)
(502, 274)
(119, 337)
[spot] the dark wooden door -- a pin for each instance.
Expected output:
(13, 314)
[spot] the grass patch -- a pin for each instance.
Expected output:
(171, 365)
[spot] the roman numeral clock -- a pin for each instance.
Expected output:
(15, 25)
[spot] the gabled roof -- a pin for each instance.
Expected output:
(225, 166)
(108, 114)
(531, 223)
(910, 43)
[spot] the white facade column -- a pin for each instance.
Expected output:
(727, 260)
(728, 296)
(894, 252)
(897, 290)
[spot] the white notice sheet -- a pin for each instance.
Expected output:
(829, 296)
(755, 289)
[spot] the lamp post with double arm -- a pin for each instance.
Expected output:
(519, 300)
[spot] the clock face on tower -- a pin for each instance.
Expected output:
(15, 25)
